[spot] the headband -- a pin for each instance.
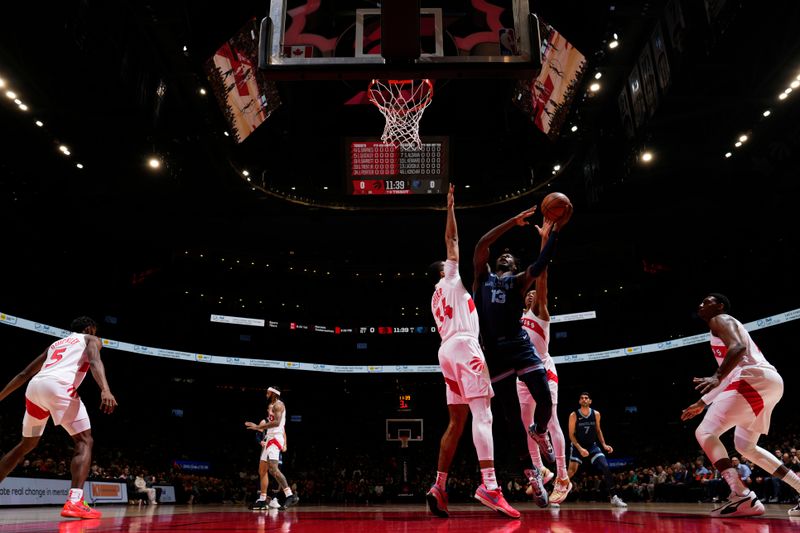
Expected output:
(276, 392)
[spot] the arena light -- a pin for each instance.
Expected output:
(185, 48)
(202, 91)
(788, 90)
(154, 163)
(556, 168)
(782, 96)
(738, 144)
(2, 83)
(245, 173)
(795, 84)
(647, 156)
(598, 75)
(23, 107)
(594, 87)
(743, 138)
(226, 134)
(79, 165)
(613, 44)
(467, 186)
(11, 95)
(573, 129)
(325, 188)
(64, 148)
(728, 154)
(17, 101)
(766, 113)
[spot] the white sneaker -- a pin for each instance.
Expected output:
(274, 504)
(735, 505)
(795, 511)
(616, 501)
(547, 475)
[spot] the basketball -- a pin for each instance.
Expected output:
(557, 207)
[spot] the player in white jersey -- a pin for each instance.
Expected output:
(536, 323)
(468, 387)
(741, 394)
(53, 392)
(273, 443)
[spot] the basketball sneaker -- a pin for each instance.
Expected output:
(493, 499)
(560, 490)
(543, 441)
(79, 509)
(737, 505)
(616, 501)
(795, 511)
(437, 502)
(291, 501)
(273, 504)
(259, 505)
(536, 486)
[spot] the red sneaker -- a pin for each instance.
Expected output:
(437, 502)
(79, 510)
(493, 499)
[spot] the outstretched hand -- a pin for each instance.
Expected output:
(545, 229)
(693, 410)
(705, 385)
(520, 219)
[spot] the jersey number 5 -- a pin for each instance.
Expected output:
(56, 357)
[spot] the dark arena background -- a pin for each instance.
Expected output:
(217, 220)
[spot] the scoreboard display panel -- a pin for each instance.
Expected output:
(375, 168)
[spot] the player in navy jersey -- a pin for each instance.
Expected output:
(588, 442)
(499, 296)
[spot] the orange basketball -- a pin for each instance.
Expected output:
(557, 207)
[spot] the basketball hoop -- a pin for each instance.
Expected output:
(404, 440)
(402, 103)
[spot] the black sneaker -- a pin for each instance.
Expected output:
(290, 501)
(260, 505)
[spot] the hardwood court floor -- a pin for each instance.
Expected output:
(570, 518)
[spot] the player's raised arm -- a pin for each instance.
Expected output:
(540, 308)
(451, 230)
(20, 379)
(480, 258)
(549, 235)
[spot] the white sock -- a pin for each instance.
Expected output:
(262, 496)
(75, 495)
(287, 491)
(489, 478)
(731, 475)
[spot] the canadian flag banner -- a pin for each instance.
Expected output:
(299, 51)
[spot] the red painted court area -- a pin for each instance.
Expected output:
(398, 519)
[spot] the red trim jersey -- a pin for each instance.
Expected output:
(452, 306)
(538, 331)
(66, 361)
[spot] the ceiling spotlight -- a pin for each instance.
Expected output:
(556, 167)
(573, 129)
(79, 165)
(598, 75)
(67, 152)
(185, 48)
(293, 188)
(39, 123)
(728, 154)
(795, 84)
(782, 96)
(63, 148)
(325, 188)
(594, 87)
(467, 186)
(766, 113)
(226, 134)
(11, 94)
(613, 44)
(202, 91)
(738, 144)
(245, 173)
(743, 138)
(23, 107)
(615, 36)
(154, 162)
(17, 101)
(788, 90)
(647, 157)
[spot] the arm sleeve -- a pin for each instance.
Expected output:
(544, 257)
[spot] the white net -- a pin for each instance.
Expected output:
(402, 103)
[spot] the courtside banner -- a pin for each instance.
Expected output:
(238, 320)
(766, 322)
(36, 491)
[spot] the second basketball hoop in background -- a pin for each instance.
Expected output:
(402, 103)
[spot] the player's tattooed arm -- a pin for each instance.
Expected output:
(726, 328)
(480, 258)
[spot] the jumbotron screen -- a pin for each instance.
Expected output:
(375, 168)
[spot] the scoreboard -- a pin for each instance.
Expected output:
(375, 168)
